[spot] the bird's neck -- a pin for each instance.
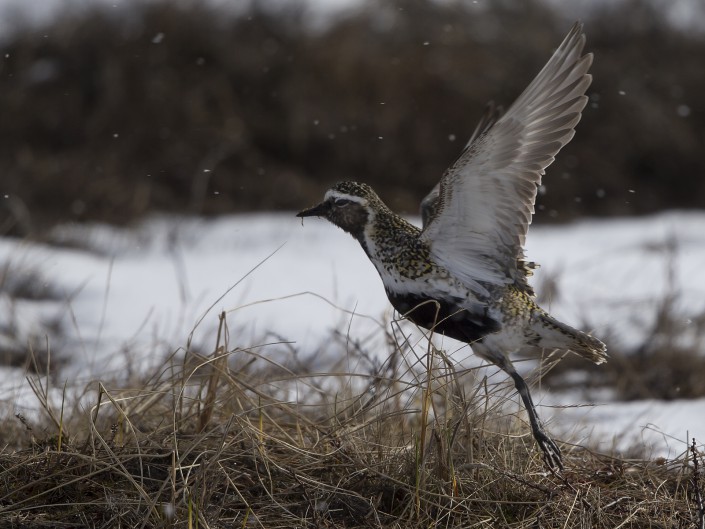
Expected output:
(387, 238)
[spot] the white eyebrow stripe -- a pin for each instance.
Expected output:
(336, 194)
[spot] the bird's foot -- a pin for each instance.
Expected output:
(551, 453)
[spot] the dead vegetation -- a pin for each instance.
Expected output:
(667, 361)
(22, 286)
(235, 440)
(110, 114)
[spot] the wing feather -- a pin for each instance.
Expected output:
(476, 220)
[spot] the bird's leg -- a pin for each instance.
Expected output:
(551, 452)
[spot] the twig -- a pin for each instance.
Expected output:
(697, 493)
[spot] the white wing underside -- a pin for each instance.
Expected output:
(486, 198)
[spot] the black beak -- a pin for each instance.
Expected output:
(321, 210)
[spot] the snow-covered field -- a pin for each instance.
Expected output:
(127, 297)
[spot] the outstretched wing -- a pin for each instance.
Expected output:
(486, 198)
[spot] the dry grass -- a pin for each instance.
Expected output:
(669, 359)
(22, 285)
(234, 439)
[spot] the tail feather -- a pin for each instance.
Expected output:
(556, 334)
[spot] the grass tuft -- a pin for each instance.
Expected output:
(234, 439)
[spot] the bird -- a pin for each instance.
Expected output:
(464, 274)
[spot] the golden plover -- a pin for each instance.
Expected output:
(463, 274)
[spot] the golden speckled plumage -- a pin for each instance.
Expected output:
(399, 248)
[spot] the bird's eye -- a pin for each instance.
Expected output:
(340, 202)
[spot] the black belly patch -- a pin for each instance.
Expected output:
(444, 316)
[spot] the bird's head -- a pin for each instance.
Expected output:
(348, 205)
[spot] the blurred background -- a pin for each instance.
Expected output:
(112, 110)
